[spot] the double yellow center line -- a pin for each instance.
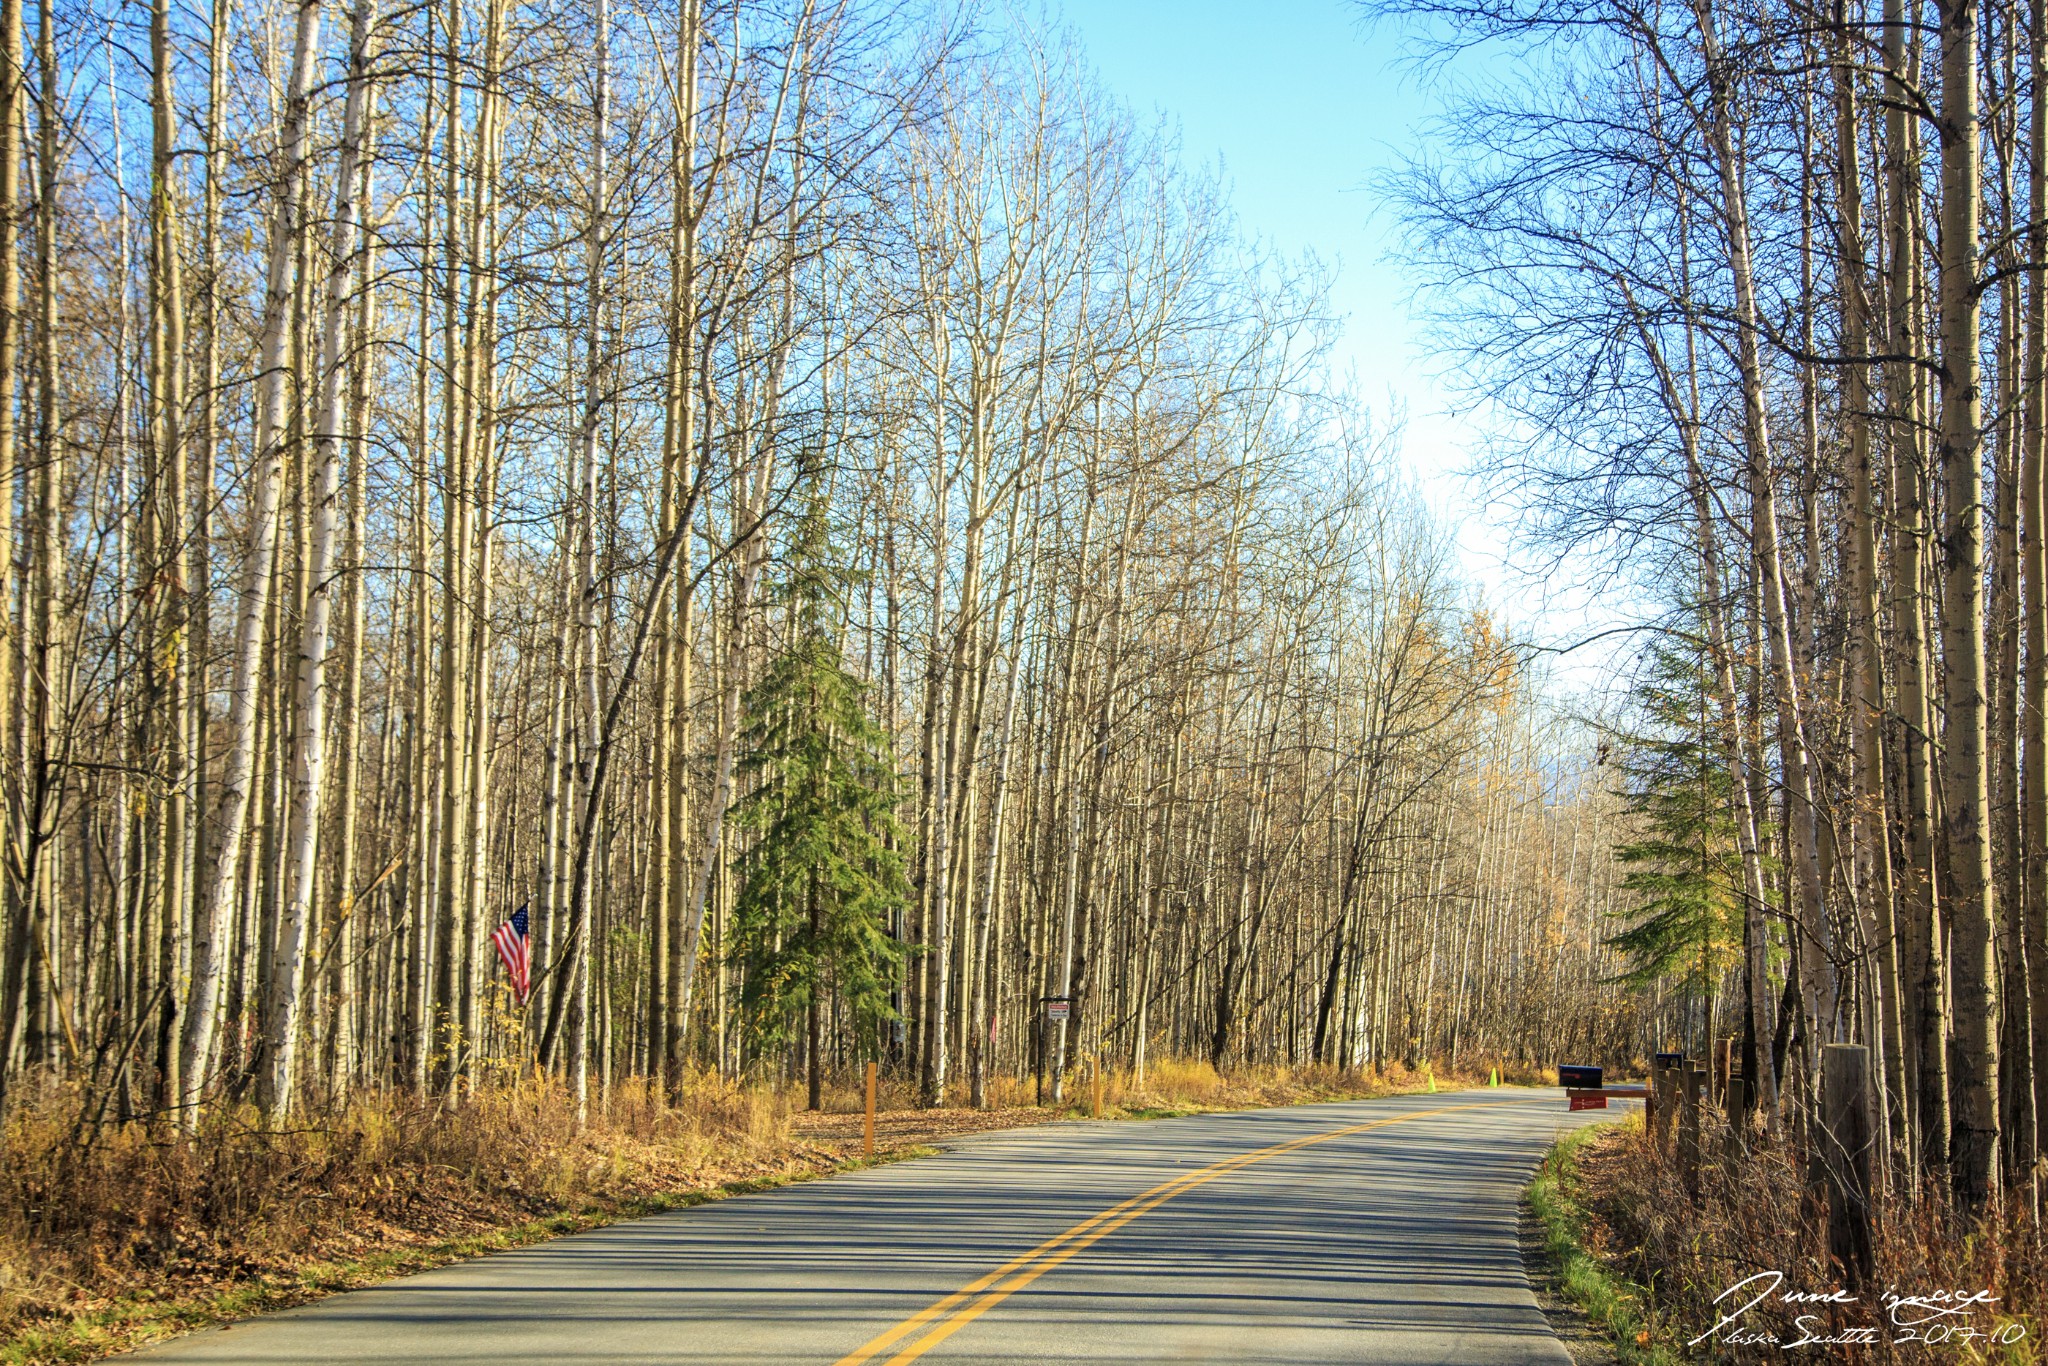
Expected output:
(936, 1322)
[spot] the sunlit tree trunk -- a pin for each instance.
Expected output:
(309, 759)
(2033, 851)
(1869, 823)
(1964, 779)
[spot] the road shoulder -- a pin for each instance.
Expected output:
(1588, 1345)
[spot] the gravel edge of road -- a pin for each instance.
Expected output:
(1575, 1280)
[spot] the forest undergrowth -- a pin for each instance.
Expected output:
(1756, 1214)
(113, 1234)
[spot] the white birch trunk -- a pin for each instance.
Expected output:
(309, 748)
(209, 949)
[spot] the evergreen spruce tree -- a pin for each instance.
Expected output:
(820, 878)
(1684, 865)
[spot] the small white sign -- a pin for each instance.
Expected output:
(1057, 1010)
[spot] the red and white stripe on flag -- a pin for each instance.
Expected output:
(510, 940)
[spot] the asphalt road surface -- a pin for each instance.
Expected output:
(1373, 1231)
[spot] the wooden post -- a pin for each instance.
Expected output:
(1692, 1080)
(1038, 1056)
(1845, 1140)
(1664, 1089)
(1724, 1070)
(867, 1145)
(1674, 1100)
(1737, 1108)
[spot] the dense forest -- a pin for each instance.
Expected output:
(1757, 290)
(807, 501)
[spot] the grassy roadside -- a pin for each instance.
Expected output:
(1612, 1304)
(1749, 1214)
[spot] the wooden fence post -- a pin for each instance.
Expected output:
(1736, 1107)
(1845, 1140)
(1664, 1091)
(1656, 1106)
(1692, 1080)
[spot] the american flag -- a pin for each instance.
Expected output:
(510, 938)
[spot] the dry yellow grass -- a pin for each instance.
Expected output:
(1755, 1215)
(96, 1220)
(1173, 1085)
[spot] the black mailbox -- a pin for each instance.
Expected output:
(1578, 1078)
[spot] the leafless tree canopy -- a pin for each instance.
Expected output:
(407, 416)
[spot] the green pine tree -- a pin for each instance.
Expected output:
(1684, 865)
(821, 877)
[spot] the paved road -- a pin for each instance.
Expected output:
(1375, 1231)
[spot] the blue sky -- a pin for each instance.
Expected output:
(1299, 103)
(1303, 104)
